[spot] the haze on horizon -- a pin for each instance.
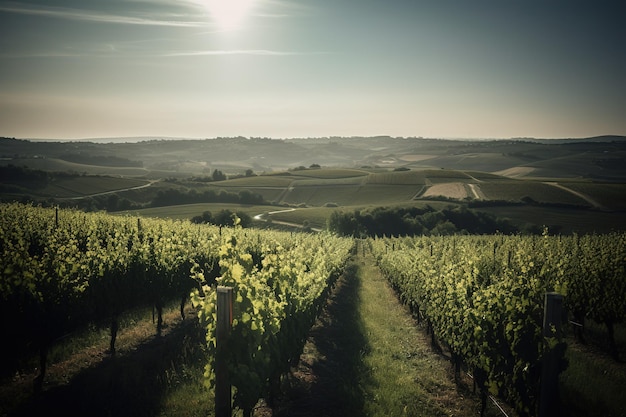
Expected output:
(72, 69)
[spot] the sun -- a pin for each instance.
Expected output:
(228, 14)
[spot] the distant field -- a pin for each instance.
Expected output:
(399, 178)
(328, 181)
(516, 172)
(456, 190)
(394, 188)
(549, 176)
(89, 185)
(59, 165)
(187, 211)
(446, 175)
(315, 216)
(380, 194)
(428, 177)
(612, 196)
(578, 165)
(257, 181)
(485, 160)
(563, 220)
(485, 176)
(415, 158)
(349, 195)
(330, 173)
(537, 191)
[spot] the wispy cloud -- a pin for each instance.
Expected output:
(261, 52)
(93, 16)
(113, 50)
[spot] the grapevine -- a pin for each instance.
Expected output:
(482, 296)
(275, 304)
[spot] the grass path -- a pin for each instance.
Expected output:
(366, 356)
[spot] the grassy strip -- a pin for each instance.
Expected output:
(83, 379)
(367, 357)
(593, 384)
(406, 377)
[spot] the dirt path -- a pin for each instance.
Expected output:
(326, 381)
(366, 356)
(263, 218)
(476, 191)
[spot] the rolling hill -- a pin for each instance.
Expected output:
(527, 180)
(599, 158)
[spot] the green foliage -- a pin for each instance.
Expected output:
(218, 175)
(410, 221)
(174, 196)
(56, 276)
(224, 217)
(483, 296)
(25, 177)
(276, 301)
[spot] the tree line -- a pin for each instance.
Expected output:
(171, 197)
(223, 217)
(415, 221)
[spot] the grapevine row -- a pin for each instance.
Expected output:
(482, 296)
(61, 270)
(65, 269)
(276, 303)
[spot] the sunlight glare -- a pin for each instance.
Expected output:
(228, 14)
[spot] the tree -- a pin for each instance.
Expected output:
(247, 197)
(206, 217)
(218, 175)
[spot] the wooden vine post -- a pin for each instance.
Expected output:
(552, 327)
(223, 407)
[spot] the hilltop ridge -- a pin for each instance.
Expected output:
(601, 157)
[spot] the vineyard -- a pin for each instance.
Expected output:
(481, 297)
(64, 269)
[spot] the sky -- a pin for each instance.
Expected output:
(76, 69)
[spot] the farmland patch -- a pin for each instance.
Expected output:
(516, 172)
(415, 158)
(456, 190)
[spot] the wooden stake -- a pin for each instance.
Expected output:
(223, 407)
(552, 327)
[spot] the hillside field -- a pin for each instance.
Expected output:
(567, 206)
(569, 185)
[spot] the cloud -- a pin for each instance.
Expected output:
(93, 16)
(261, 52)
(112, 50)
